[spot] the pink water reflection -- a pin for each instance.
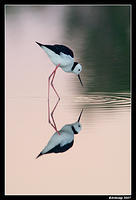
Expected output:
(99, 161)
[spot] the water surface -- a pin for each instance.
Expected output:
(99, 161)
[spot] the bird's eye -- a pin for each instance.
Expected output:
(78, 125)
(79, 70)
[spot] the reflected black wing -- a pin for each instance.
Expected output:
(60, 49)
(61, 149)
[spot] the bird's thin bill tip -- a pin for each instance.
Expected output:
(80, 115)
(38, 43)
(39, 155)
(82, 110)
(80, 80)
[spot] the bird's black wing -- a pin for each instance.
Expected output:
(60, 149)
(60, 49)
(64, 49)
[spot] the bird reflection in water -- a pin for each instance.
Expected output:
(64, 141)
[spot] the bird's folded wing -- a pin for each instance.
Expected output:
(54, 141)
(66, 140)
(67, 60)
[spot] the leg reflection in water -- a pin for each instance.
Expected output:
(52, 124)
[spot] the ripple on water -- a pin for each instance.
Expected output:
(103, 100)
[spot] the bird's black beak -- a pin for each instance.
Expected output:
(80, 115)
(80, 79)
(39, 44)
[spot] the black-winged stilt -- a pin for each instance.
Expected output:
(64, 141)
(62, 57)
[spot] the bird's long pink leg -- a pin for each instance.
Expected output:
(53, 125)
(56, 103)
(52, 74)
(48, 100)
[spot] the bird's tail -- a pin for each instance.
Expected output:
(39, 155)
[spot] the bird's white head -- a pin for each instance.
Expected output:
(76, 127)
(76, 69)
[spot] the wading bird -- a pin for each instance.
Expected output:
(64, 141)
(63, 57)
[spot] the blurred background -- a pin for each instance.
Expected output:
(103, 36)
(99, 162)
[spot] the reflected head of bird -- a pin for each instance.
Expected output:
(76, 127)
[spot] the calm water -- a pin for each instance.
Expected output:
(99, 161)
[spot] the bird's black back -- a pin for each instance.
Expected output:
(60, 48)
